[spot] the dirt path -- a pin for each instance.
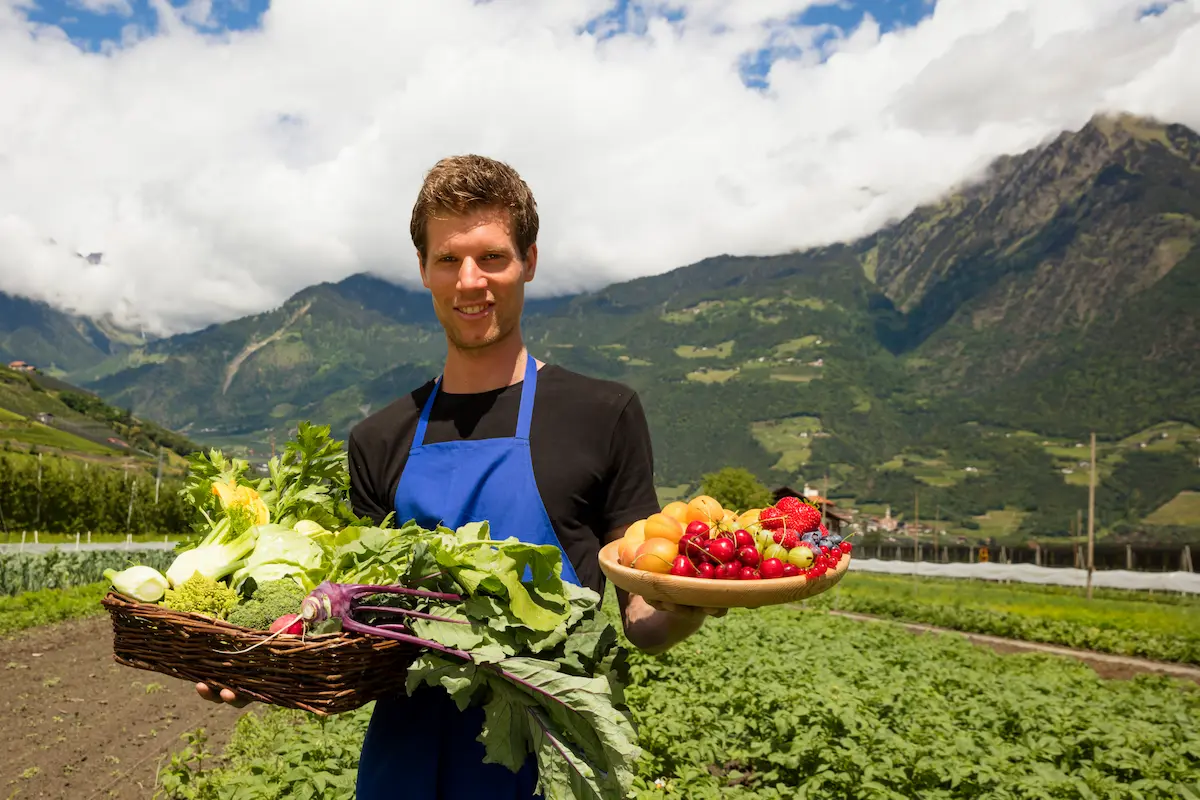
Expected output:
(80, 726)
(1105, 665)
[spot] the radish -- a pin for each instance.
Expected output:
(288, 623)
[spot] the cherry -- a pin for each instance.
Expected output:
(748, 555)
(749, 574)
(772, 568)
(742, 538)
(721, 549)
(697, 528)
(705, 570)
(847, 547)
(824, 549)
(790, 570)
(726, 572)
(683, 566)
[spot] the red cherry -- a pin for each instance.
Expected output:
(748, 574)
(721, 550)
(847, 547)
(749, 555)
(697, 528)
(705, 570)
(790, 570)
(825, 549)
(727, 572)
(683, 567)
(771, 568)
(742, 538)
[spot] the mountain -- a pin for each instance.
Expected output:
(958, 355)
(55, 341)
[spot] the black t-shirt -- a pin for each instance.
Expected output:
(590, 444)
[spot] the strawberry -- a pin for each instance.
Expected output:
(771, 517)
(777, 536)
(804, 519)
(788, 540)
(789, 505)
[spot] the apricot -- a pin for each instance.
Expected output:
(705, 509)
(661, 526)
(635, 534)
(678, 510)
(656, 555)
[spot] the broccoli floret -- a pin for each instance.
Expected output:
(200, 594)
(270, 601)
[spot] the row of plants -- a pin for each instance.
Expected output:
(63, 569)
(1160, 631)
(63, 495)
(817, 707)
(48, 606)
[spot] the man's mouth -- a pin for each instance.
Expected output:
(474, 310)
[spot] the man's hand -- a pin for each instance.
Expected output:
(225, 696)
(687, 611)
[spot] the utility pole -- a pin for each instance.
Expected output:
(937, 533)
(158, 477)
(1091, 561)
(825, 494)
(916, 528)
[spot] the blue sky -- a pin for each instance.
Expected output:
(91, 30)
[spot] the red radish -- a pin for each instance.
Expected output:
(705, 570)
(790, 570)
(288, 623)
(748, 555)
(748, 574)
(771, 568)
(742, 538)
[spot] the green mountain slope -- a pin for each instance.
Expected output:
(55, 341)
(954, 355)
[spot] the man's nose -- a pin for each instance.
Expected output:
(470, 276)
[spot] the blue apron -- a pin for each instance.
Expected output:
(422, 747)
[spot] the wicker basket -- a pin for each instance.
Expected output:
(324, 674)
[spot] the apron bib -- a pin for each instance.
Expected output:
(422, 747)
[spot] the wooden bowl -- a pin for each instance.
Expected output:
(709, 593)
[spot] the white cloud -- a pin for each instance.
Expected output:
(121, 7)
(220, 174)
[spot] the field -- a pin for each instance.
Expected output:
(1183, 509)
(818, 707)
(791, 439)
(1122, 623)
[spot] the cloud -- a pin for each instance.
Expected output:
(121, 7)
(220, 172)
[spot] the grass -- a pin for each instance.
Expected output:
(686, 315)
(1183, 509)
(793, 346)
(47, 606)
(10, 416)
(44, 436)
(791, 439)
(722, 350)
(711, 375)
(669, 494)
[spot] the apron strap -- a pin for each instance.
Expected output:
(524, 416)
(423, 423)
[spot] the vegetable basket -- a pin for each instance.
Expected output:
(709, 593)
(325, 674)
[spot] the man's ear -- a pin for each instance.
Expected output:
(424, 274)
(530, 262)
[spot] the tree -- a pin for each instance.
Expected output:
(736, 488)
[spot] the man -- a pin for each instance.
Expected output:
(542, 453)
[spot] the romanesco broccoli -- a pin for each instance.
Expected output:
(200, 594)
(270, 601)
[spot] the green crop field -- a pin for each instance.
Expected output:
(44, 436)
(1120, 623)
(782, 703)
(791, 439)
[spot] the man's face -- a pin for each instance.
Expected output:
(476, 277)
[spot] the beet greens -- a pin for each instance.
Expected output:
(537, 653)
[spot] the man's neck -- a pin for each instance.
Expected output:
(486, 369)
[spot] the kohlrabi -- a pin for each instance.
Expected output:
(144, 584)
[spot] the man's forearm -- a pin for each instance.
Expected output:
(654, 631)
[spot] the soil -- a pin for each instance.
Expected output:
(80, 726)
(1107, 666)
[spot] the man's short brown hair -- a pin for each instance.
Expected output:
(459, 185)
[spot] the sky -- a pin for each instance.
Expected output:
(221, 155)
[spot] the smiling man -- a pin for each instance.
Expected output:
(542, 453)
